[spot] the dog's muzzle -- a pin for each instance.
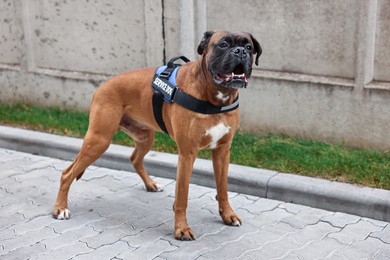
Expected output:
(235, 69)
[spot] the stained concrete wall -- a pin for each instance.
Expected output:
(324, 72)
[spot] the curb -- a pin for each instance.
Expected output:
(318, 193)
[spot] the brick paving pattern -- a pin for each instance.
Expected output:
(113, 217)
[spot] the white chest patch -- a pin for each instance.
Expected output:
(216, 133)
(221, 97)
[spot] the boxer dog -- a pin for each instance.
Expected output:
(125, 103)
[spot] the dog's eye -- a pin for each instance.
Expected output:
(248, 47)
(223, 45)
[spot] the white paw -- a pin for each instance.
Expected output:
(64, 214)
(236, 223)
(159, 187)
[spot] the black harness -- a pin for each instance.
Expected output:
(165, 89)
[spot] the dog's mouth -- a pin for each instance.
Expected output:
(235, 79)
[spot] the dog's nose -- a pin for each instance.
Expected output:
(240, 52)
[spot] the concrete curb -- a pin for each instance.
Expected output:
(333, 196)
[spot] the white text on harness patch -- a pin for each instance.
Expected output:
(163, 86)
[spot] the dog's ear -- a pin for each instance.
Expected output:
(257, 49)
(204, 42)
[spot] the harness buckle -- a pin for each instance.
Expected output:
(166, 73)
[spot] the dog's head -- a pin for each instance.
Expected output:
(229, 57)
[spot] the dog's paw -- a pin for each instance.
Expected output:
(184, 234)
(230, 219)
(62, 214)
(155, 187)
(236, 223)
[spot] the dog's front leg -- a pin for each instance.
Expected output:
(221, 159)
(184, 171)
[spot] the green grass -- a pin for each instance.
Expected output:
(281, 153)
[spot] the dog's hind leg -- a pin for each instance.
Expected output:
(102, 126)
(143, 137)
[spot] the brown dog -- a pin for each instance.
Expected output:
(125, 102)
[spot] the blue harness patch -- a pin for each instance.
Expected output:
(164, 86)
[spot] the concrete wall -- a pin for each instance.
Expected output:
(324, 72)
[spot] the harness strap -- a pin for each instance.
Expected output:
(158, 100)
(200, 106)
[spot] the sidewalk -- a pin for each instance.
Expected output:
(312, 192)
(113, 217)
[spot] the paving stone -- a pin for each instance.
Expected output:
(384, 254)
(204, 226)
(108, 236)
(383, 235)
(35, 224)
(355, 232)
(7, 177)
(159, 258)
(365, 249)
(281, 229)
(66, 252)
(39, 211)
(153, 220)
(162, 204)
(376, 222)
(148, 250)
(5, 156)
(140, 194)
(189, 250)
(10, 220)
(114, 220)
(197, 204)
(28, 239)
(86, 190)
(317, 248)
(306, 217)
(31, 170)
(197, 191)
(108, 204)
(106, 251)
(334, 256)
(313, 232)
(235, 249)
(228, 233)
(341, 219)
(111, 219)
(273, 249)
(19, 188)
(96, 173)
(8, 200)
(293, 208)
(13, 164)
(75, 222)
(6, 233)
(269, 218)
(25, 252)
(261, 205)
(291, 257)
(108, 182)
(148, 235)
(68, 238)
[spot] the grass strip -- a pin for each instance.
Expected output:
(280, 153)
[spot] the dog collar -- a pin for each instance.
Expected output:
(165, 89)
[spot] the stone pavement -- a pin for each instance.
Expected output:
(113, 217)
